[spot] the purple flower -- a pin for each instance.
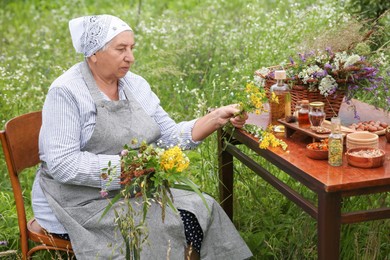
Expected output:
(103, 193)
(356, 116)
(3, 243)
(371, 87)
(292, 61)
(302, 57)
(328, 66)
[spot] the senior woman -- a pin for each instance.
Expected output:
(90, 112)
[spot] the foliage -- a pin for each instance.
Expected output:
(149, 172)
(194, 54)
(371, 9)
(252, 100)
(330, 72)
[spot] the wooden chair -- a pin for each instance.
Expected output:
(19, 140)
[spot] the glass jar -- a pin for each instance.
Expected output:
(282, 108)
(303, 114)
(316, 113)
(335, 143)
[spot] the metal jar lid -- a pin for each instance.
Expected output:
(317, 104)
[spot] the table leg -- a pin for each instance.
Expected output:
(225, 161)
(328, 225)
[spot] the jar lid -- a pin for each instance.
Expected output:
(305, 102)
(317, 104)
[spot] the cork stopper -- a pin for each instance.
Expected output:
(280, 74)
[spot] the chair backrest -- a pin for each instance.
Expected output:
(21, 134)
(19, 140)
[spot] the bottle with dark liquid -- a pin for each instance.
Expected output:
(303, 114)
(282, 108)
(316, 114)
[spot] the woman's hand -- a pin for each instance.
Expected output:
(216, 119)
(233, 114)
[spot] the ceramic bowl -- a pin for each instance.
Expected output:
(317, 151)
(387, 132)
(365, 157)
(362, 139)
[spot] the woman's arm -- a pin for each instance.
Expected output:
(209, 123)
(186, 134)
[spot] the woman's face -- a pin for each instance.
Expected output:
(116, 58)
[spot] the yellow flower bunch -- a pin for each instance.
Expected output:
(148, 172)
(174, 159)
(252, 99)
(268, 139)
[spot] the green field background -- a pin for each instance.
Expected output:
(195, 54)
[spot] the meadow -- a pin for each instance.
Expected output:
(195, 54)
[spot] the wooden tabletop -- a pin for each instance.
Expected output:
(341, 178)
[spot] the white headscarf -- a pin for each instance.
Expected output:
(90, 33)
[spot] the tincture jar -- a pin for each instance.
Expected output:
(282, 107)
(316, 113)
(335, 143)
(303, 114)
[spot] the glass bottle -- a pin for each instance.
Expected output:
(335, 143)
(282, 108)
(303, 114)
(316, 114)
(297, 108)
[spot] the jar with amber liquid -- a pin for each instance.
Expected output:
(316, 114)
(282, 108)
(303, 114)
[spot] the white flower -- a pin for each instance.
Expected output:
(352, 60)
(327, 85)
(340, 58)
(309, 73)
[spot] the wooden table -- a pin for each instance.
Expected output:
(331, 184)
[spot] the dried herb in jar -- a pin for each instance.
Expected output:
(335, 143)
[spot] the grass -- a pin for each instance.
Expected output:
(195, 53)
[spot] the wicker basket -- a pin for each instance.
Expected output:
(300, 92)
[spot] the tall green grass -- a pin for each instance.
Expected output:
(194, 54)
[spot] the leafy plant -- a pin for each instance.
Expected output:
(253, 99)
(149, 172)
